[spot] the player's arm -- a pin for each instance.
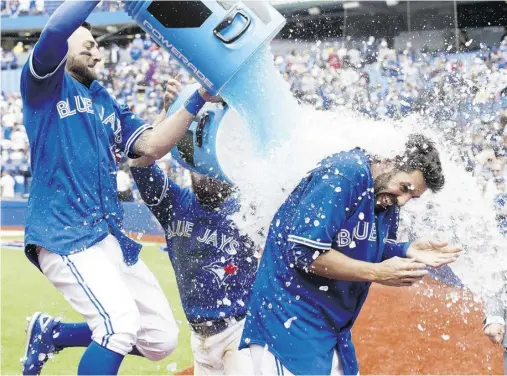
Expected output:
(51, 49)
(495, 312)
(159, 193)
(172, 91)
(393, 272)
(159, 140)
(494, 323)
(139, 139)
(320, 215)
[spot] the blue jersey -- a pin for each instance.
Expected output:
(75, 133)
(214, 264)
(301, 316)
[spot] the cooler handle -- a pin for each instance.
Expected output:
(227, 21)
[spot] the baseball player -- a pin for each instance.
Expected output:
(333, 236)
(74, 225)
(214, 264)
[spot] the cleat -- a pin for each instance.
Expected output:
(39, 343)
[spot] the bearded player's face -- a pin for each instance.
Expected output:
(83, 56)
(209, 190)
(397, 188)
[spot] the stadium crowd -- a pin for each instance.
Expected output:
(16, 8)
(464, 94)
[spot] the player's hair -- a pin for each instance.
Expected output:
(87, 26)
(421, 154)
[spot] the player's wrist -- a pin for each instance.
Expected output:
(194, 103)
(382, 272)
(374, 272)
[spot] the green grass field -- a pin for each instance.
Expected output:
(25, 290)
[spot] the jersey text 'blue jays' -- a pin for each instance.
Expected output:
(214, 263)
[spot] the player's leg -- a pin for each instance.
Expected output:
(236, 362)
(46, 336)
(158, 334)
(71, 335)
(56, 335)
(93, 286)
(215, 354)
(207, 359)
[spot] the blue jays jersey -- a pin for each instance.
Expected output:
(75, 133)
(301, 316)
(214, 264)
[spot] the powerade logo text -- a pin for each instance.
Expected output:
(178, 54)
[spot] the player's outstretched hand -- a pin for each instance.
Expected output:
(399, 272)
(208, 97)
(495, 333)
(172, 91)
(433, 253)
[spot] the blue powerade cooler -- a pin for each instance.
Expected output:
(196, 151)
(211, 39)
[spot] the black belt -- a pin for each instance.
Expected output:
(210, 328)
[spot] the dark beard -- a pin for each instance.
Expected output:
(80, 71)
(381, 183)
(211, 193)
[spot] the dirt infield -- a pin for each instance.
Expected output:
(428, 329)
(420, 330)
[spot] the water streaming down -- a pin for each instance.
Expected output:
(277, 142)
(260, 94)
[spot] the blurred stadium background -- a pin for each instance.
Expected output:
(445, 60)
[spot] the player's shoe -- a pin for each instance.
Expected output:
(39, 343)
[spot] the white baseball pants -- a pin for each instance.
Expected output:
(123, 305)
(219, 354)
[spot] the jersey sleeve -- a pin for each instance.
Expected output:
(132, 127)
(392, 247)
(34, 87)
(162, 196)
(319, 215)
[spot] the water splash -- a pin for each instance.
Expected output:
(279, 141)
(258, 104)
(460, 215)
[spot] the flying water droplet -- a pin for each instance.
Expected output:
(288, 323)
